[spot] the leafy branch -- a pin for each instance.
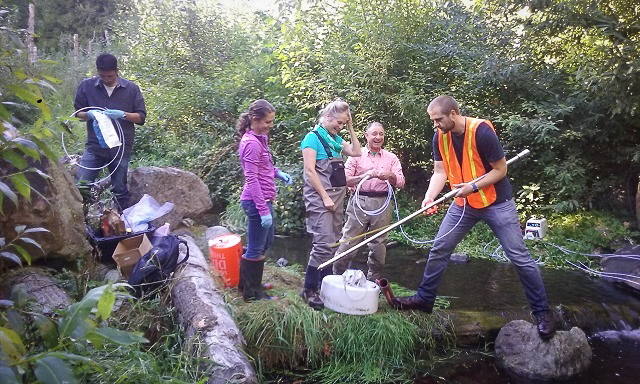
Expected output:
(11, 250)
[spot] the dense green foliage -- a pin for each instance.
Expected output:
(87, 342)
(519, 69)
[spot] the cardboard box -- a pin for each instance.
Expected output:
(129, 251)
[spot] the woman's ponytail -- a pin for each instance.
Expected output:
(259, 109)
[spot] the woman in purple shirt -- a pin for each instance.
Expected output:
(258, 194)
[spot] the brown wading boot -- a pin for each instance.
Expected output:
(546, 324)
(312, 298)
(412, 302)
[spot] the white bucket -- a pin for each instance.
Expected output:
(343, 298)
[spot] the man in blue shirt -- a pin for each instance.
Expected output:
(125, 105)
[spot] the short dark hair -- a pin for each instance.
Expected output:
(446, 104)
(106, 62)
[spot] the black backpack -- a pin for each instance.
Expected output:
(154, 268)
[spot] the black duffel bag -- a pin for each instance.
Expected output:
(156, 266)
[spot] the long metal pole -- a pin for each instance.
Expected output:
(447, 196)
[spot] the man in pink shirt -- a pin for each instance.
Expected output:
(380, 166)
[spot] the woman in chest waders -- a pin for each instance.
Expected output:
(324, 190)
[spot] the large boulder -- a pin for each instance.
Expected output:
(167, 184)
(57, 206)
(521, 351)
(623, 268)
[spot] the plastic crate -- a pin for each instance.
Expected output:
(106, 245)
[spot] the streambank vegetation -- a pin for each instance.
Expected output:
(558, 77)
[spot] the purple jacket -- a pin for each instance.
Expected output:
(259, 172)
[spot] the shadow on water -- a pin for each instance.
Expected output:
(609, 317)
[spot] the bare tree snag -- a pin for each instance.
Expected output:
(203, 312)
(31, 47)
(75, 48)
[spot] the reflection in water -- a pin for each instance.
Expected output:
(487, 285)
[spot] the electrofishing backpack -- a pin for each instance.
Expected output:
(154, 268)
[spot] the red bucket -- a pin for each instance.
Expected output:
(225, 252)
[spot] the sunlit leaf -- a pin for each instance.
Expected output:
(21, 184)
(31, 152)
(20, 74)
(51, 79)
(25, 95)
(20, 228)
(53, 370)
(31, 241)
(25, 255)
(105, 304)
(77, 313)
(95, 339)
(10, 156)
(4, 113)
(12, 344)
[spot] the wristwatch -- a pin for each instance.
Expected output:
(475, 187)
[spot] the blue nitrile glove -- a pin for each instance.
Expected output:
(90, 114)
(114, 113)
(266, 221)
(284, 177)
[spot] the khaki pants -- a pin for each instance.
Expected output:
(353, 228)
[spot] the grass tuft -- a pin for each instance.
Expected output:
(287, 334)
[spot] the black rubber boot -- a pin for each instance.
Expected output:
(324, 272)
(251, 277)
(310, 293)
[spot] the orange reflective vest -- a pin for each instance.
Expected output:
(472, 166)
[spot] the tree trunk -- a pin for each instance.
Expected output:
(75, 48)
(202, 311)
(36, 284)
(31, 47)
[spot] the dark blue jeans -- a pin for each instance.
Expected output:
(259, 239)
(503, 220)
(118, 178)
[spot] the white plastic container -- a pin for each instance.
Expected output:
(343, 298)
(164, 230)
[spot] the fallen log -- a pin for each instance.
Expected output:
(35, 283)
(203, 313)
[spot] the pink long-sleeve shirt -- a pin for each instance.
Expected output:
(259, 172)
(381, 161)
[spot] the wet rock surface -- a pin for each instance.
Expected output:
(523, 353)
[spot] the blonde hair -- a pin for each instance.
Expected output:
(333, 109)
